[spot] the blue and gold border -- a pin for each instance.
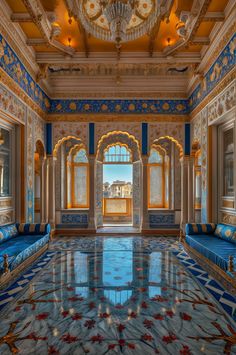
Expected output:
(12, 65)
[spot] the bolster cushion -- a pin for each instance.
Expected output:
(200, 228)
(8, 232)
(33, 229)
(226, 232)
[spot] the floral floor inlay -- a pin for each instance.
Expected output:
(116, 295)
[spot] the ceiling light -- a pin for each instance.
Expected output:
(118, 20)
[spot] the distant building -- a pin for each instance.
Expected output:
(118, 188)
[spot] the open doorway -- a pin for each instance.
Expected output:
(117, 187)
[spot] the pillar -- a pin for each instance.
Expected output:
(191, 196)
(145, 220)
(91, 224)
(51, 190)
(43, 191)
(184, 192)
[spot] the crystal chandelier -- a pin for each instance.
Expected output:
(118, 20)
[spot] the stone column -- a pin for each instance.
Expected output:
(91, 224)
(137, 205)
(51, 190)
(99, 194)
(184, 192)
(145, 220)
(43, 191)
(191, 199)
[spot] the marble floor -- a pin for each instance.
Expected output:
(116, 295)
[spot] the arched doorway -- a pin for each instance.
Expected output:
(39, 156)
(118, 147)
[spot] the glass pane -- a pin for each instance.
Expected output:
(228, 142)
(155, 157)
(156, 186)
(80, 186)
(4, 162)
(116, 154)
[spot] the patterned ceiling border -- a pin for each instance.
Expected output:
(10, 63)
(222, 66)
(120, 106)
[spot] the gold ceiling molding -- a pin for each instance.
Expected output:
(18, 52)
(221, 45)
(116, 118)
(218, 89)
(14, 87)
(121, 95)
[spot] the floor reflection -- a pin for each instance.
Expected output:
(115, 296)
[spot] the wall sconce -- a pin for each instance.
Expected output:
(69, 41)
(168, 41)
(70, 20)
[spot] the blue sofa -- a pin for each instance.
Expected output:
(215, 244)
(20, 244)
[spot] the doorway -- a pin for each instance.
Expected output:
(117, 193)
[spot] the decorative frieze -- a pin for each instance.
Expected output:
(223, 103)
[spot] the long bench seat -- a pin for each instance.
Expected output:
(215, 246)
(20, 244)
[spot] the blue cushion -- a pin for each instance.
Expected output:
(20, 248)
(33, 229)
(226, 232)
(8, 232)
(213, 248)
(200, 228)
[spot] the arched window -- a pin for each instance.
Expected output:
(198, 179)
(117, 153)
(158, 178)
(77, 178)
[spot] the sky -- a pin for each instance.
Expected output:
(112, 172)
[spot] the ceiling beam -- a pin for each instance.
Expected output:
(201, 40)
(214, 17)
(191, 21)
(21, 17)
(40, 19)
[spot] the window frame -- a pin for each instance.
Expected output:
(164, 165)
(71, 165)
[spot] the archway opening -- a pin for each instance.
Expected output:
(39, 155)
(121, 149)
(117, 185)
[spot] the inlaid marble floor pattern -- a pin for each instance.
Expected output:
(116, 295)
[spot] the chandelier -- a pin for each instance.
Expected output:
(118, 20)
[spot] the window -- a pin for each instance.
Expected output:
(158, 177)
(198, 179)
(117, 153)
(228, 162)
(5, 158)
(77, 179)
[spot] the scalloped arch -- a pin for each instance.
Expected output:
(172, 139)
(64, 139)
(118, 137)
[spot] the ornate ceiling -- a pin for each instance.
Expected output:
(66, 52)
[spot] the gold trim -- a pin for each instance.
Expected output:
(101, 117)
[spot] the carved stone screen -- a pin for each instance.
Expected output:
(116, 206)
(80, 186)
(156, 186)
